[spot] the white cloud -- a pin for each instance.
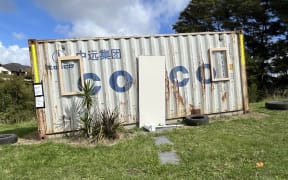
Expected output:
(110, 17)
(80, 18)
(19, 36)
(14, 54)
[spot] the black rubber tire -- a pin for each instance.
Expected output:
(196, 120)
(8, 138)
(280, 105)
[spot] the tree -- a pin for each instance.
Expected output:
(265, 27)
(16, 99)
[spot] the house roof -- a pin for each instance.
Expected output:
(15, 67)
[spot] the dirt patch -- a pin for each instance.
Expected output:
(31, 138)
(79, 141)
(76, 141)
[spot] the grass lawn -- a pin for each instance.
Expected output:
(225, 149)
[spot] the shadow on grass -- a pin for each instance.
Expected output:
(20, 131)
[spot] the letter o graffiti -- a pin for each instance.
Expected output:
(198, 74)
(173, 74)
(113, 81)
(92, 76)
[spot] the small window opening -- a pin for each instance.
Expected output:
(219, 64)
(70, 70)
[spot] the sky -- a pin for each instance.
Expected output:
(21, 20)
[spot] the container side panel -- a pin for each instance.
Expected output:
(111, 64)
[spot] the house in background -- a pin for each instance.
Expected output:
(4, 70)
(17, 69)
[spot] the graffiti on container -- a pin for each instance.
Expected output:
(128, 79)
(101, 54)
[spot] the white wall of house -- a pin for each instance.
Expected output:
(3, 70)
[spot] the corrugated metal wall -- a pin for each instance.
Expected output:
(112, 64)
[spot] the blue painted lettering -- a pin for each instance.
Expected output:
(128, 81)
(93, 77)
(116, 53)
(198, 74)
(93, 55)
(82, 54)
(101, 54)
(64, 66)
(104, 54)
(173, 76)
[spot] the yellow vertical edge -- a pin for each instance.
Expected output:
(35, 65)
(243, 73)
(242, 51)
(40, 116)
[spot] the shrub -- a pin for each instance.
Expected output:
(16, 100)
(98, 124)
(87, 103)
(110, 123)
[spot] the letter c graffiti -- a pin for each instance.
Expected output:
(173, 73)
(198, 74)
(113, 81)
(92, 76)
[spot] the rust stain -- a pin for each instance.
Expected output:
(179, 99)
(194, 110)
(224, 97)
(167, 92)
(202, 74)
(167, 89)
(176, 93)
(175, 89)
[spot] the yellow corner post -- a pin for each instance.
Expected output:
(40, 116)
(35, 65)
(243, 72)
(242, 48)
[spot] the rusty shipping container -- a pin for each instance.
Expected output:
(205, 73)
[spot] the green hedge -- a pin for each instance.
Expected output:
(16, 99)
